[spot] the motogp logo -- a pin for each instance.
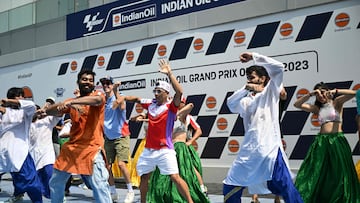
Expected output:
(92, 21)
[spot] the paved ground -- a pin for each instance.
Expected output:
(80, 195)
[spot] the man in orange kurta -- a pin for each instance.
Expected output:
(84, 153)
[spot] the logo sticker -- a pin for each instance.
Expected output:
(239, 37)
(101, 61)
(342, 20)
(211, 102)
(92, 21)
(162, 50)
(198, 44)
(233, 146)
(286, 29)
(222, 123)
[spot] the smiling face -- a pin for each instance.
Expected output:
(322, 94)
(86, 84)
(161, 96)
(107, 86)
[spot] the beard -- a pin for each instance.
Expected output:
(85, 91)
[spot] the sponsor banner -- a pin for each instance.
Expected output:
(120, 14)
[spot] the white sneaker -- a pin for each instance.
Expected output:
(83, 186)
(129, 197)
(114, 196)
(15, 199)
(205, 191)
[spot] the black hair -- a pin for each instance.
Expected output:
(87, 72)
(15, 92)
(12, 93)
(320, 86)
(260, 71)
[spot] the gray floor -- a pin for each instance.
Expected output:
(82, 195)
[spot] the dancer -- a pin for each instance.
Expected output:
(84, 153)
(261, 164)
(41, 146)
(117, 136)
(134, 176)
(327, 173)
(282, 102)
(16, 115)
(159, 149)
(161, 189)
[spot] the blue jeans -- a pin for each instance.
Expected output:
(98, 182)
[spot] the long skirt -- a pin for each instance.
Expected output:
(327, 173)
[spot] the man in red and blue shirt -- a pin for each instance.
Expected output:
(159, 149)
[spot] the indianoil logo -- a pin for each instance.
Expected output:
(198, 44)
(161, 50)
(221, 123)
(315, 120)
(342, 20)
(286, 29)
(211, 102)
(139, 108)
(73, 66)
(101, 61)
(130, 56)
(301, 93)
(116, 19)
(233, 146)
(239, 37)
(28, 93)
(356, 87)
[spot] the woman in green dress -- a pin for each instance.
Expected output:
(327, 173)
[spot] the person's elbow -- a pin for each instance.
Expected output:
(98, 101)
(297, 105)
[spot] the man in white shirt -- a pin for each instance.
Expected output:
(261, 164)
(15, 119)
(41, 147)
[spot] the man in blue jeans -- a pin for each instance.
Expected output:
(84, 153)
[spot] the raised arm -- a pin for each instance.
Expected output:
(120, 101)
(300, 103)
(343, 95)
(166, 69)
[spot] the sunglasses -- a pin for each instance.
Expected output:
(157, 91)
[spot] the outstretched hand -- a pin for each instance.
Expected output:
(164, 66)
(245, 57)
